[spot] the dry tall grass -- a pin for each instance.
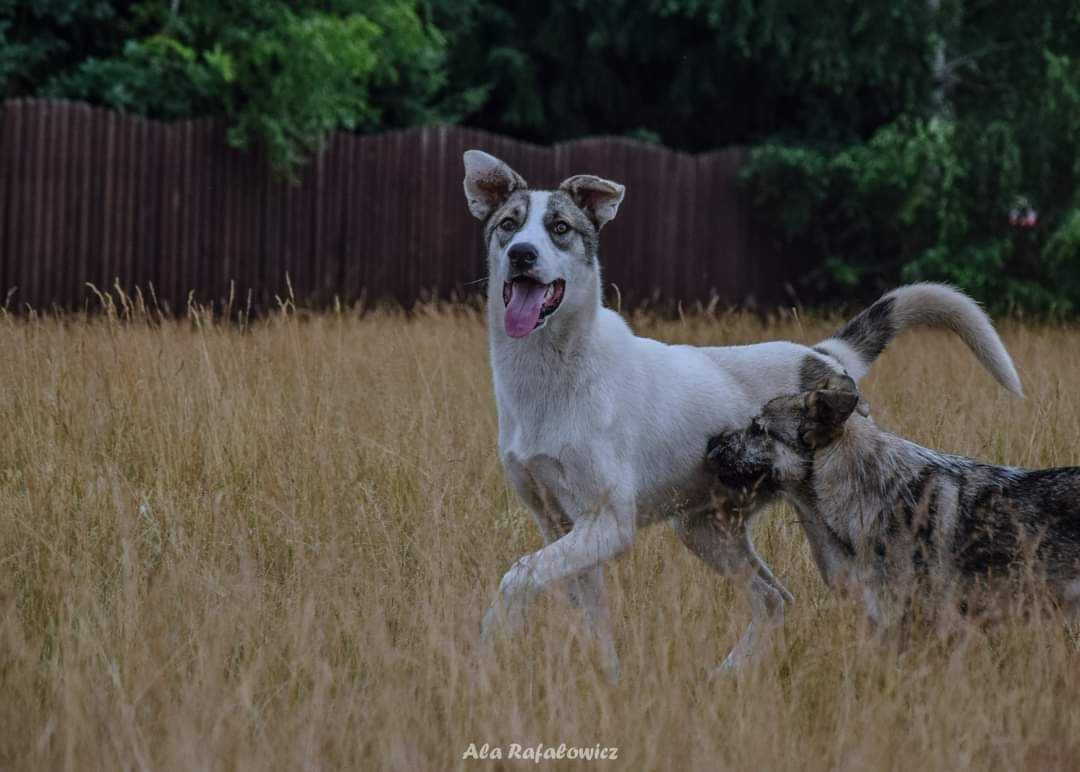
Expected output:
(271, 547)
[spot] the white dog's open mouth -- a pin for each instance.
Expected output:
(529, 303)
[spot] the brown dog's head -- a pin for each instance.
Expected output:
(774, 452)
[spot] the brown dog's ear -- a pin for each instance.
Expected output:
(826, 412)
(833, 405)
(597, 197)
(488, 183)
(844, 382)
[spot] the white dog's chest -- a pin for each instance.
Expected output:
(559, 482)
(572, 481)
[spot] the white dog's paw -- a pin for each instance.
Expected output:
(490, 626)
(505, 616)
(735, 661)
(613, 670)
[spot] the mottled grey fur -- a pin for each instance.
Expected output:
(892, 521)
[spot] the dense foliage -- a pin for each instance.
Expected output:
(980, 188)
(693, 74)
(894, 139)
(286, 73)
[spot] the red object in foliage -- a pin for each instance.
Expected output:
(1025, 218)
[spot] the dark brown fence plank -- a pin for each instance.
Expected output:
(42, 202)
(53, 200)
(9, 142)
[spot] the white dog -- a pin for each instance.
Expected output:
(602, 432)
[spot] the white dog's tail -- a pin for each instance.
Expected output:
(858, 343)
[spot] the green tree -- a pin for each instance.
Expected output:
(694, 74)
(39, 39)
(284, 73)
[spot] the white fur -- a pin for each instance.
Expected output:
(938, 305)
(533, 231)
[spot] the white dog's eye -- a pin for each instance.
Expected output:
(508, 224)
(560, 227)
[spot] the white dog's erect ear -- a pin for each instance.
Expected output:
(488, 182)
(598, 198)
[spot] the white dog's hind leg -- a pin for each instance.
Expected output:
(727, 549)
(592, 541)
(767, 608)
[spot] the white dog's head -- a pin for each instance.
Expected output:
(542, 245)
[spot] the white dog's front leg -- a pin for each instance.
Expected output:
(591, 542)
(587, 593)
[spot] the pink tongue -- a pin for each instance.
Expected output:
(523, 310)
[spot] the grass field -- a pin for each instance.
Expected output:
(270, 547)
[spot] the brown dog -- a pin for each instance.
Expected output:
(886, 517)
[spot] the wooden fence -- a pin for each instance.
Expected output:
(91, 196)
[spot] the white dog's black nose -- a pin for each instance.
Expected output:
(522, 257)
